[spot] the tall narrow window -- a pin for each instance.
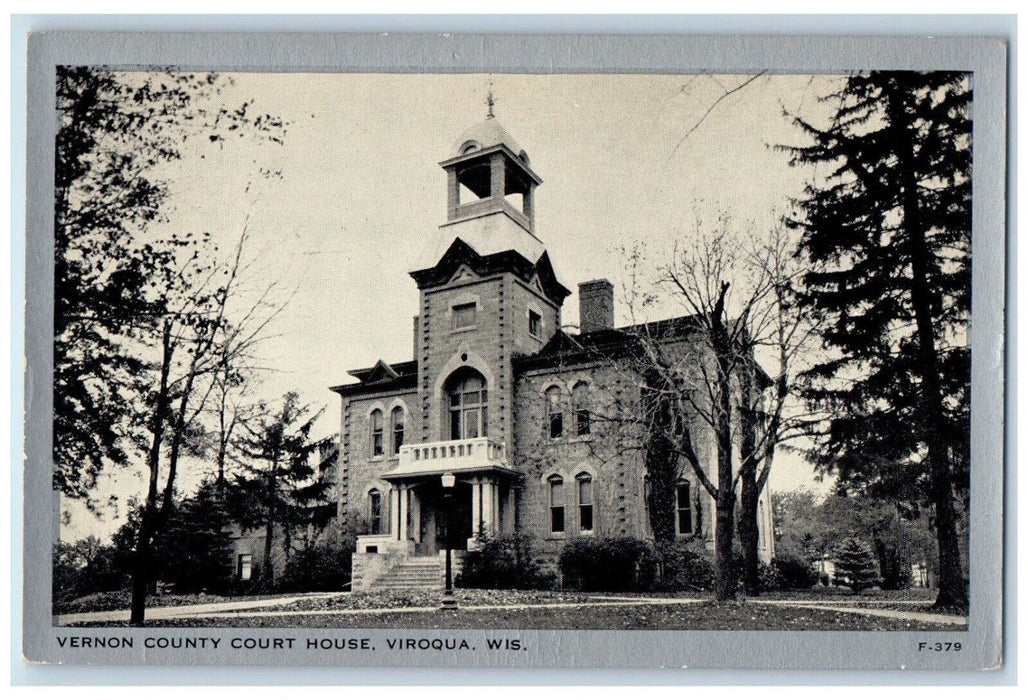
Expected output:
(469, 408)
(554, 414)
(683, 507)
(556, 504)
(376, 433)
(535, 324)
(585, 502)
(375, 511)
(463, 316)
(397, 420)
(580, 403)
(647, 494)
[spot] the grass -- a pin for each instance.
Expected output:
(122, 600)
(688, 616)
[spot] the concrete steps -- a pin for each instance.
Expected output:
(417, 573)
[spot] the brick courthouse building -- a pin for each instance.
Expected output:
(521, 412)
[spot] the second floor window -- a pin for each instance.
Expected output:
(580, 401)
(535, 324)
(377, 436)
(397, 429)
(469, 409)
(554, 413)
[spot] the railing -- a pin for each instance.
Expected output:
(451, 455)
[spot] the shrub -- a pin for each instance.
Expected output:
(321, 567)
(503, 562)
(770, 579)
(855, 565)
(794, 572)
(606, 564)
(684, 565)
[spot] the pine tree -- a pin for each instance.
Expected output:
(887, 236)
(855, 564)
(278, 479)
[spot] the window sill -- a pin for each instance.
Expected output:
(376, 458)
(465, 329)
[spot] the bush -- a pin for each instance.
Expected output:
(794, 572)
(684, 565)
(321, 567)
(606, 564)
(503, 562)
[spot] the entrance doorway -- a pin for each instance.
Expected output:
(432, 517)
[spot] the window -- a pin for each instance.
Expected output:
(554, 414)
(397, 420)
(376, 433)
(375, 512)
(585, 502)
(469, 410)
(647, 494)
(535, 324)
(244, 567)
(580, 404)
(556, 504)
(683, 507)
(464, 316)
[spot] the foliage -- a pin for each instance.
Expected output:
(504, 562)
(603, 564)
(683, 565)
(855, 565)
(794, 572)
(887, 238)
(83, 568)
(323, 566)
(112, 269)
(195, 546)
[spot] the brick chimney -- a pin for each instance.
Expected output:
(596, 305)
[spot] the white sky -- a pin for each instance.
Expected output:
(361, 192)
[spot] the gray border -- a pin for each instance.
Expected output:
(545, 54)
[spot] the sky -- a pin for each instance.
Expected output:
(624, 159)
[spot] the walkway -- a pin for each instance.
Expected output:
(172, 612)
(907, 615)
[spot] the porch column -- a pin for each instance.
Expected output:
(489, 509)
(404, 514)
(394, 512)
(476, 506)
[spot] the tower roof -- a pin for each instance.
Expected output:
(484, 135)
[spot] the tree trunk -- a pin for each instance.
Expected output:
(269, 528)
(749, 536)
(724, 578)
(952, 591)
(142, 568)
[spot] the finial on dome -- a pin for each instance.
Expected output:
(490, 102)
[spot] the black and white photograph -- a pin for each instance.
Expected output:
(679, 351)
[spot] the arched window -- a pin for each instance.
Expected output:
(375, 512)
(556, 486)
(397, 421)
(580, 406)
(469, 407)
(554, 414)
(585, 502)
(377, 447)
(683, 507)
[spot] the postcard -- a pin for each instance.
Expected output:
(537, 351)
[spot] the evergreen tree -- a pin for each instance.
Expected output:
(887, 236)
(195, 546)
(855, 564)
(279, 481)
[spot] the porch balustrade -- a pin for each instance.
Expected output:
(450, 456)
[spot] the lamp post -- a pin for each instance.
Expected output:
(449, 480)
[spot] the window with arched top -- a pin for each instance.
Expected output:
(580, 409)
(397, 423)
(377, 435)
(585, 501)
(554, 413)
(375, 512)
(683, 507)
(469, 147)
(468, 406)
(557, 500)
